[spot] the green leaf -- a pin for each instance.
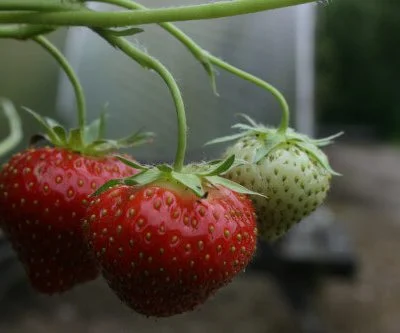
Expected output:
(191, 181)
(131, 163)
(106, 186)
(216, 180)
(312, 150)
(219, 168)
(225, 139)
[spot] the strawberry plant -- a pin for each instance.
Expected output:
(164, 237)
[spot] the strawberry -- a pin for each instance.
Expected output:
(286, 167)
(168, 243)
(43, 198)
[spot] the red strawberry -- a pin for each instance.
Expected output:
(163, 249)
(43, 197)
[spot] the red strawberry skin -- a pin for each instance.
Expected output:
(164, 251)
(43, 198)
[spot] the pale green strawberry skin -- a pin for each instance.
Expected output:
(294, 183)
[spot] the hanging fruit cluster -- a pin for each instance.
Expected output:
(164, 237)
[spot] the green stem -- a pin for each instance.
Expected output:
(261, 83)
(199, 53)
(63, 62)
(146, 16)
(39, 5)
(207, 59)
(15, 127)
(21, 31)
(149, 62)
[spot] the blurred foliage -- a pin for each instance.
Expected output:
(358, 65)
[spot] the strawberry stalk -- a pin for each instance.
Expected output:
(23, 31)
(261, 83)
(84, 17)
(207, 60)
(199, 53)
(149, 62)
(68, 70)
(42, 5)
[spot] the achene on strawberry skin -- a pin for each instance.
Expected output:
(43, 197)
(164, 250)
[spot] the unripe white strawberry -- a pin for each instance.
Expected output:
(287, 168)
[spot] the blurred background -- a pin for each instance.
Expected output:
(338, 64)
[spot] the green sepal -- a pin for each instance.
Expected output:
(244, 127)
(107, 185)
(313, 151)
(327, 141)
(219, 167)
(272, 139)
(226, 138)
(136, 139)
(51, 135)
(191, 181)
(75, 138)
(217, 180)
(94, 131)
(249, 119)
(164, 168)
(145, 177)
(270, 143)
(132, 164)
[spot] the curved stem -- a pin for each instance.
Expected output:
(90, 18)
(149, 62)
(23, 31)
(59, 57)
(198, 52)
(39, 5)
(207, 59)
(261, 83)
(14, 121)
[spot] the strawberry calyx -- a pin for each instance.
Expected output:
(195, 177)
(273, 138)
(89, 139)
